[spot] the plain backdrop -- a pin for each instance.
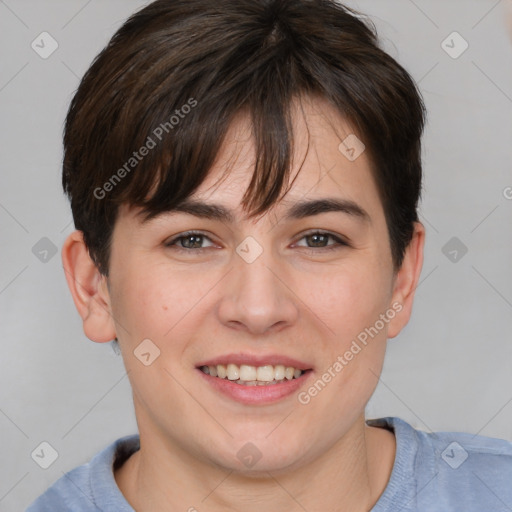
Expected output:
(449, 369)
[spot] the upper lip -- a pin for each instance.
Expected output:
(256, 360)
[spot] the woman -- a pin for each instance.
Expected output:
(244, 179)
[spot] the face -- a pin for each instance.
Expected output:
(291, 291)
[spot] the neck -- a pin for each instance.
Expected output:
(349, 476)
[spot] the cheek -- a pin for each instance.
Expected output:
(348, 299)
(349, 303)
(156, 302)
(143, 301)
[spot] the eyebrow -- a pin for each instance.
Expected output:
(299, 210)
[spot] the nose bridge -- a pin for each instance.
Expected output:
(255, 297)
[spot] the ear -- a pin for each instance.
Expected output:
(406, 280)
(88, 288)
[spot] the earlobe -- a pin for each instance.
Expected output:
(88, 289)
(407, 279)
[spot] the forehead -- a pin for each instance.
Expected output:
(325, 176)
(324, 147)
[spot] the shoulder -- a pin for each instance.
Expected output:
(473, 468)
(452, 471)
(71, 492)
(91, 486)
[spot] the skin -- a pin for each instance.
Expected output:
(307, 305)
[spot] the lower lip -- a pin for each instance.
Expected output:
(255, 395)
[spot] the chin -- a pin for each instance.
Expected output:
(254, 456)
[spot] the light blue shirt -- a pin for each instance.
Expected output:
(432, 472)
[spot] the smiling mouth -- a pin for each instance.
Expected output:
(247, 375)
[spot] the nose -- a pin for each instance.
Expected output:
(258, 297)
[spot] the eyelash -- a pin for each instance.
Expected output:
(338, 245)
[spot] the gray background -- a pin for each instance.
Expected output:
(449, 369)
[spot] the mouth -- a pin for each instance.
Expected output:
(248, 375)
(254, 380)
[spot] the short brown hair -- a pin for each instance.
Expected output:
(180, 70)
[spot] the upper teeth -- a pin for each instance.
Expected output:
(245, 372)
